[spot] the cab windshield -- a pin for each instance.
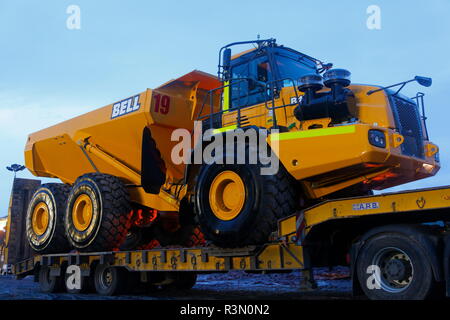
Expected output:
(293, 66)
(281, 67)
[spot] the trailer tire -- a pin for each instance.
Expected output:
(98, 213)
(109, 281)
(45, 218)
(393, 266)
(49, 284)
(253, 216)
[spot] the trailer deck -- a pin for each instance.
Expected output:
(289, 249)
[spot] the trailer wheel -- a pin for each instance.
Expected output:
(109, 280)
(238, 206)
(98, 213)
(48, 283)
(45, 218)
(392, 266)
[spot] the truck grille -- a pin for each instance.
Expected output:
(409, 125)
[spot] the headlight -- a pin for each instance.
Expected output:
(377, 138)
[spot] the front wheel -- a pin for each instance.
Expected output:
(49, 283)
(236, 205)
(392, 266)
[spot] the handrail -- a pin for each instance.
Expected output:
(268, 85)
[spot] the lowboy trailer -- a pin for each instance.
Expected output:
(396, 244)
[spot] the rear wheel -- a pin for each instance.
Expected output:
(109, 280)
(237, 206)
(49, 283)
(392, 266)
(45, 218)
(98, 213)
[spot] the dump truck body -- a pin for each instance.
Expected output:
(121, 175)
(111, 140)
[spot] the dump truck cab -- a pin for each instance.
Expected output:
(333, 134)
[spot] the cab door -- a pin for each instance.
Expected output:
(248, 91)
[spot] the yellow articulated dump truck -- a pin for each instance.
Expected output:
(263, 152)
(118, 173)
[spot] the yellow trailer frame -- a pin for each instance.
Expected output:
(288, 250)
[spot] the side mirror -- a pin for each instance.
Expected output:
(423, 81)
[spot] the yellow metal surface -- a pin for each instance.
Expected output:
(395, 203)
(40, 218)
(115, 143)
(275, 256)
(345, 154)
(271, 257)
(287, 225)
(226, 96)
(332, 131)
(431, 149)
(82, 212)
(225, 129)
(227, 195)
(397, 139)
(328, 158)
(315, 123)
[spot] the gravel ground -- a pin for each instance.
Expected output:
(332, 284)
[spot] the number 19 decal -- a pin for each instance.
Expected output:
(162, 103)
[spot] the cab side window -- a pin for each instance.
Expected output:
(248, 82)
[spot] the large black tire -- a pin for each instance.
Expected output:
(110, 220)
(50, 284)
(268, 198)
(402, 269)
(109, 281)
(50, 198)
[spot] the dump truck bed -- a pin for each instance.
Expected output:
(129, 139)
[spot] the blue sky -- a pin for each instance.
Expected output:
(49, 73)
